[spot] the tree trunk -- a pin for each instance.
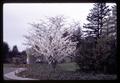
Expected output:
(54, 67)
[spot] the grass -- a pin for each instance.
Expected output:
(7, 65)
(69, 66)
(64, 71)
(67, 76)
(15, 65)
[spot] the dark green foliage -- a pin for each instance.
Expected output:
(15, 51)
(111, 61)
(5, 51)
(5, 48)
(110, 26)
(96, 18)
(97, 51)
(77, 35)
(7, 54)
(85, 54)
(65, 34)
(23, 57)
(100, 57)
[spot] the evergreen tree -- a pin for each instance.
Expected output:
(5, 51)
(110, 31)
(15, 51)
(99, 54)
(110, 26)
(5, 48)
(96, 19)
(105, 51)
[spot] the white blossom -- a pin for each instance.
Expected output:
(47, 39)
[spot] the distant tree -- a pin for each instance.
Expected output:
(23, 56)
(77, 34)
(5, 51)
(15, 51)
(5, 48)
(96, 18)
(10, 54)
(23, 53)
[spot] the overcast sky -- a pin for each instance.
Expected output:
(17, 16)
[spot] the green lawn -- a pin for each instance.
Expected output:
(65, 71)
(69, 66)
(15, 65)
(8, 65)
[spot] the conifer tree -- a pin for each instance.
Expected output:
(96, 19)
(110, 26)
(15, 51)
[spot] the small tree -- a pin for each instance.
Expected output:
(47, 39)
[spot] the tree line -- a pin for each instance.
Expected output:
(8, 54)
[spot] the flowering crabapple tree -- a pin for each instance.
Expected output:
(47, 39)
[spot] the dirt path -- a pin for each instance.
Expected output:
(7, 69)
(9, 73)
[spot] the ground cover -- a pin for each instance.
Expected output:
(62, 72)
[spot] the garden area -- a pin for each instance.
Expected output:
(58, 50)
(65, 71)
